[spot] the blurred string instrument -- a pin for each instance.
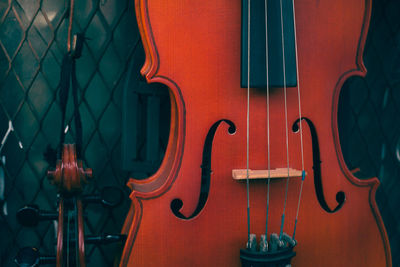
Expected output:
(253, 173)
(69, 176)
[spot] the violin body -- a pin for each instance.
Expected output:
(193, 47)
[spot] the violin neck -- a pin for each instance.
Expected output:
(274, 49)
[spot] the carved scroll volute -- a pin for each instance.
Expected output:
(69, 175)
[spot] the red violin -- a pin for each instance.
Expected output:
(253, 174)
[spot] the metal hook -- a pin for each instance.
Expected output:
(10, 128)
(5, 137)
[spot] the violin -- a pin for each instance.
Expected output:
(69, 177)
(253, 174)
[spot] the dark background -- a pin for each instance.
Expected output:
(32, 43)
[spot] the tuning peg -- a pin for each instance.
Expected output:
(30, 257)
(30, 215)
(104, 239)
(110, 196)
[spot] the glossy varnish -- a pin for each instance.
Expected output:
(194, 48)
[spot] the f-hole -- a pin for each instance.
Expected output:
(340, 196)
(177, 203)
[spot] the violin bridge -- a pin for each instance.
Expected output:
(278, 173)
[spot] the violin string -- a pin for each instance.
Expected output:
(69, 42)
(300, 122)
(286, 122)
(268, 129)
(76, 232)
(68, 236)
(248, 121)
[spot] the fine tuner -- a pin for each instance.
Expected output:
(279, 249)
